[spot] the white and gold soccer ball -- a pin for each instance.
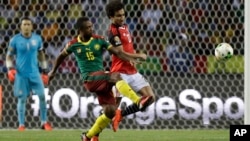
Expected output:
(223, 51)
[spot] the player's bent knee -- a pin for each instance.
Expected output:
(109, 110)
(114, 77)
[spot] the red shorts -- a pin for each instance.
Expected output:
(97, 82)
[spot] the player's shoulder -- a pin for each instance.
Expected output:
(35, 34)
(114, 29)
(123, 27)
(16, 37)
(95, 36)
(72, 41)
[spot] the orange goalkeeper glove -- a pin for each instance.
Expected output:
(11, 75)
(45, 79)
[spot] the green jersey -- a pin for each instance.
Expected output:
(88, 54)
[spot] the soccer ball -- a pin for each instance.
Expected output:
(223, 51)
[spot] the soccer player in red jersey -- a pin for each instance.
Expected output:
(120, 37)
(88, 49)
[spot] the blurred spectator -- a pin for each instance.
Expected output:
(1, 37)
(3, 67)
(58, 42)
(175, 42)
(50, 31)
(57, 4)
(180, 58)
(152, 15)
(237, 3)
(75, 11)
(94, 9)
(93, 5)
(37, 13)
(171, 46)
(207, 23)
(3, 48)
(8, 11)
(54, 47)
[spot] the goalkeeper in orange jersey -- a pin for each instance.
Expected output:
(88, 49)
(28, 49)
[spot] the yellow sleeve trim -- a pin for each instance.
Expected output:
(110, 46)
(65, 51)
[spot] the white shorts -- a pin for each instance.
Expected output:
(135, 81)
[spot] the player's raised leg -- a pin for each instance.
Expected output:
(131, 109)
(124, 88)
(141, 85)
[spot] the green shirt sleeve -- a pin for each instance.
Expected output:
(69, 49)
(106, 45)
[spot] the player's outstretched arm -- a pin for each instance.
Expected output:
(118, 51)
(57, 63)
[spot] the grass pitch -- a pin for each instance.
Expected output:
(121, 135)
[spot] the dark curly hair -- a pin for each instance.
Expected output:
(113, 6)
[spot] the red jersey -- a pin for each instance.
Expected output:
(119, 35)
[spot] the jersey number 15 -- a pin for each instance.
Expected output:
(90, 55)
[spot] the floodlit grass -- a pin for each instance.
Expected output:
(121, 135)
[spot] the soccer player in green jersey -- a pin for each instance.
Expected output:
(88, 49)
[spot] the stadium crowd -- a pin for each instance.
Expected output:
(177, 35)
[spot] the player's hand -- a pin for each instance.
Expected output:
(134, 62)
(51, 75)
(11, 75)
(45, 78)
(143, 57)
